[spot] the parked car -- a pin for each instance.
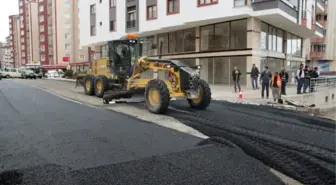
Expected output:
(12, 73)
(1, 71)
(27, 73)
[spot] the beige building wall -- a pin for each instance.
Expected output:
(17, 54)
(33, 41)
(331, 33)
(80, 54)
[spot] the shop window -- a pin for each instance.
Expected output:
(263, 36)
(163, 39)
(238, 34)
(222, 36)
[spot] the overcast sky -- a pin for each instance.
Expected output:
(10, 7)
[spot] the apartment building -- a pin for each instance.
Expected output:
(5, 55)
(29, 31)
(323, 50)
(59, 33)
(216, 34)
(14, 39)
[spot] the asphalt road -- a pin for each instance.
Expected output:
(45, 139)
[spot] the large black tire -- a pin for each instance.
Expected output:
(160, 105)
(205, 96)
(89, 85)
(100, 86)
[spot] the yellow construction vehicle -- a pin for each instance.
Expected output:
(119, 77)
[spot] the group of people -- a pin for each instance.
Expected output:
(277, 80)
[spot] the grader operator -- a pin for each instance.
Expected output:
(123, 73)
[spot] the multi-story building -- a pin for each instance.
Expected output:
(29, 31)
(59, 33)
(323, 50)
(14, 39)
(215, 34)
(5, 55)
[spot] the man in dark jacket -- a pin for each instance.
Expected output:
(236, 78)
(254, 77)
(284, 80)
(314, 74)
(300, 78)
(265, 79)
(307, 73)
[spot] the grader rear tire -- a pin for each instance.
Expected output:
(205, 96)
(89, 85)
(157, 96)
(100, 86)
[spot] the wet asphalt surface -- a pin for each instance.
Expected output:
(45, 139)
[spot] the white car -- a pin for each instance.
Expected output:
(11, 73)
(55, 74)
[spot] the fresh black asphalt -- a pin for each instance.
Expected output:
(45, 139)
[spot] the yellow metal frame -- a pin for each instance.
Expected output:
(142, 65)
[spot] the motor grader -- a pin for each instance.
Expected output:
(123, 73)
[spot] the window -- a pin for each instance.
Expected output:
(206, 37)
(151, 12)
(238, 34)
(280, 35)
(67, 46)
(67, 4)
(67, 35)
(93, 30)
(206, 2)
(263, 36)
(112, 26)
(147, 46)
(42, 57)
(173, 6)
(42, 48)
(67, 25)
(41, 18)
(289, 44)
(113, 3)
(93, 9)
(41, 8)
(81, 57)
(131, 17)
(67, 15)
(221, 37)
(41, 28)
(163, 39)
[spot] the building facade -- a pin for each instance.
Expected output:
(215, 34)
(323, 50)
(14, 39)
(6, 60)
(29, 31)
(59, 33)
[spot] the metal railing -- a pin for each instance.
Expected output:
(317, 84)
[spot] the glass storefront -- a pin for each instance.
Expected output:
(218, 71)
(271, 38)
(224, 36)
(274, 64)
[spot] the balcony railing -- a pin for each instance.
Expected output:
(131, 24)
(317, 54)
(238, 3)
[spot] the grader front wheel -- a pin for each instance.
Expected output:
(204, 99)
(157, 96)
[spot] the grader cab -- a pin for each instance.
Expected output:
(123, 73)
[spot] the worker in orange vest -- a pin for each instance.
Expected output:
(276, 87)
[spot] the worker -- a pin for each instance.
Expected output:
(284, 80)
(276, 86)
(265, 81)
(300, 79)
(236, 78)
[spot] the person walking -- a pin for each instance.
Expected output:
(284, 80)
(236, 78)
(299, 79)
(306, 83)
(254, 77)
(276, 86)
(265, 78)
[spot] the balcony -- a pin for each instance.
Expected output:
(320, 8)
(319, 29)
(283, 5)
(317, 54)
(131, 24)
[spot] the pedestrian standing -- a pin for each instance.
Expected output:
(254, 77)
(276, 86)
(314, 75)
(299, 79)
(265, 78)
(306, 83)
(236, 78)
(284, 80)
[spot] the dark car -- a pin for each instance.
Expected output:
(27, 73)
(37, 71)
